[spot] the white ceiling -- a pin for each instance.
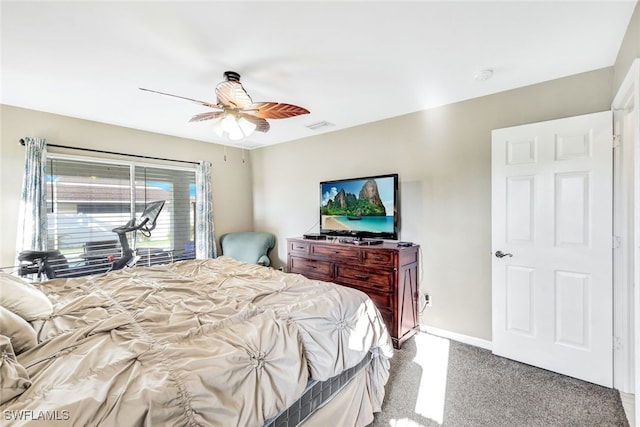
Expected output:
(348, 62)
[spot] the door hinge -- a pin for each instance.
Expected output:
(617, 242)
(616, 141)
(618, 345)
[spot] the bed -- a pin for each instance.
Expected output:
(209, 342)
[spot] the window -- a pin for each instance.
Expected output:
(88, 198)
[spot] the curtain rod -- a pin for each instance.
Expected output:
(117, 154)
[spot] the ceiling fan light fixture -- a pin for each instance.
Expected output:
(246, 126)
(235, 128)
(228, 123)
(236, 135)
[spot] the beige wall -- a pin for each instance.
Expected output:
(442, 156)
(231, 179)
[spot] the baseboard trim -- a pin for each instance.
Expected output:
(628, 403)
(466, 339)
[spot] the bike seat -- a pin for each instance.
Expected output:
(34, 255)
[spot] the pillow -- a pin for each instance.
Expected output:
(21, 334)
(23, 299)
(14, 379)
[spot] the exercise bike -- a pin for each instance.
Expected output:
(145, 225)
(53, 264)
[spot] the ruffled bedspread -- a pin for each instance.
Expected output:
(195, 343)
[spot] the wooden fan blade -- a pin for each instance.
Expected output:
(207, 116)
(261, 124)
(206, 104)
(232, 94)
(276, 110)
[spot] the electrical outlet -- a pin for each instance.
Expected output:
(427, 299)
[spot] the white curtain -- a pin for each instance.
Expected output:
(205, 238)
(32, 216)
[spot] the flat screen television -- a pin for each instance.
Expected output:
(365, 207)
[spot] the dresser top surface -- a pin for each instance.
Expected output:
(347, 242)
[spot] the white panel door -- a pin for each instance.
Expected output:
(552, 245)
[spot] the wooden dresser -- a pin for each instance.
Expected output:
(386, 272)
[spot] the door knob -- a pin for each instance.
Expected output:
(500, 254)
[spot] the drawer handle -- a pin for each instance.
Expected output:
(362, 276)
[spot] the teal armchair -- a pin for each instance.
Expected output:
(248, 246)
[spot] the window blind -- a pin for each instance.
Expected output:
(88, 198)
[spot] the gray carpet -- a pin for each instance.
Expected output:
(475, 388)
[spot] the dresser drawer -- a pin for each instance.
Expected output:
(377, 258)
(374, 280)
(298, 248)
(381, 300)
(322, 270)
(336, 252)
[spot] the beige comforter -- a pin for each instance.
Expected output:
(196, 343)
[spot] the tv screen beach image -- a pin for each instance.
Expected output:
(358, 205)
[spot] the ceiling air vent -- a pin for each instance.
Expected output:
(320, 125)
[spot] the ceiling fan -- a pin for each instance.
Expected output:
(236, 114)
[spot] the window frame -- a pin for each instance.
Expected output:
(131, 164)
